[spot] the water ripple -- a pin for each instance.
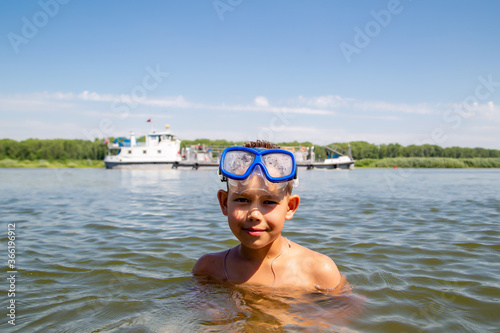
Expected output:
(112, 251)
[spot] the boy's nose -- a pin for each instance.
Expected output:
(254, 215)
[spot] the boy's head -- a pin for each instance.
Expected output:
(258, 199)
(259, 165)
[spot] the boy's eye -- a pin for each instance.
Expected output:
(241, 200)
(270, 202)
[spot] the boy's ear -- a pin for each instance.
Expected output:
(222, 196)
(293, 204)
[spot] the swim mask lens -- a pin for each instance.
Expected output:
(238, 163)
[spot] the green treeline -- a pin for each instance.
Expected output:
(365, 154)
(52, 150)
(362, 150)
(430, 162)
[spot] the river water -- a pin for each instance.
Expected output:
(112, 250)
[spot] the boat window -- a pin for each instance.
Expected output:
(144, 151)
(130, 151)
(159, 151)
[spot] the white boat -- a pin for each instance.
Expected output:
(306, 158)
(160, 148)
(338, 160)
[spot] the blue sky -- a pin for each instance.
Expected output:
(403, 71)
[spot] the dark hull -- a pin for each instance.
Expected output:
(320, 165)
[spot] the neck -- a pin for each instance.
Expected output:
(268, 252)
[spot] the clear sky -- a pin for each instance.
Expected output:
(405, 71)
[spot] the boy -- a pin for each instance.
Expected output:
(257, 202)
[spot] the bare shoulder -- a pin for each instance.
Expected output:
(327, 275)
(321, 269)
(211, 264)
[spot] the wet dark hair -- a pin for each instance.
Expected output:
(261, 144)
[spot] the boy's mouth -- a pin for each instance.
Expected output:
(254, 231)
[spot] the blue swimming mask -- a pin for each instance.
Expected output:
(238, 163)
(266, 170)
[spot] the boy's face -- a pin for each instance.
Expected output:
(257, 213)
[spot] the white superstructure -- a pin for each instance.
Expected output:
(160, 148)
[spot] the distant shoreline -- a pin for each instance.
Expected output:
(385, 163)
(430, 162)
(44, 164)
(65, 153)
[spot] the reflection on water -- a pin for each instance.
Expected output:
(241, 309)
(153, 179)
(112, 251)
